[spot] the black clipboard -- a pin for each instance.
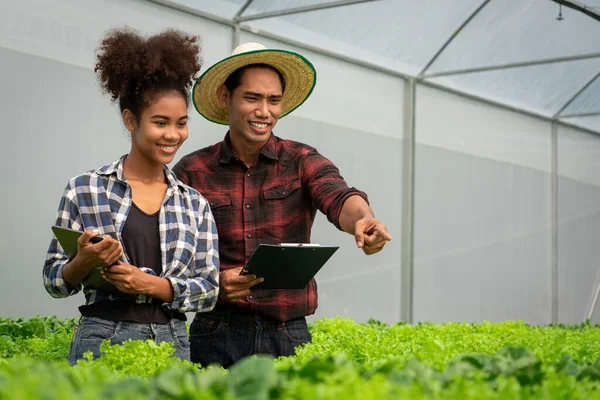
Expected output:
(68, 241)
(287, 266)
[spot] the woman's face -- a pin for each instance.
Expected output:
(162, 128)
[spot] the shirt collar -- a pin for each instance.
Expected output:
(226, 151)
(269, 150)
(116, 168)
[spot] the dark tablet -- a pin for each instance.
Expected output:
(68, 241)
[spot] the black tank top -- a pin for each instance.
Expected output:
(141, 239)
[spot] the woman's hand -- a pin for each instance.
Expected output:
(127, 278)
(101, 254)
(130, 279)
(91, 255)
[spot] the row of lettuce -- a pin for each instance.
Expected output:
(509, 360)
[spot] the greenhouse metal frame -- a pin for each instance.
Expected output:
(238, 24)
(547, 46)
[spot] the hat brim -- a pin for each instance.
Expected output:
(299, 74)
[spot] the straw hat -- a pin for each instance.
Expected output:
(299, 74)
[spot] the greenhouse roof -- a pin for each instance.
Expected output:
(541, 57)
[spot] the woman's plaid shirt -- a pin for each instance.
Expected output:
(101, 200)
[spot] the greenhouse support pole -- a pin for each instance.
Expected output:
(592, 307)
(236, 24)
(235, 40)
(554, 205)
(408, 209)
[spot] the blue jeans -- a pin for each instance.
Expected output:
(224, 337)
(91, 331)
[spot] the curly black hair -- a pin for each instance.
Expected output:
(133, 69)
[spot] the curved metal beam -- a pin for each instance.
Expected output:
(582, 115)
(393, 72)
(175, 5)
(513, 65)
(576, 5)
(576, 95)
(297, 10)
(238, 14)
(451, 38)
(371, 66)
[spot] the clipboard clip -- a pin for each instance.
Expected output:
(300, 245)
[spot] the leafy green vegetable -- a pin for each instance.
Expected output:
(509, 360)
(252, 378)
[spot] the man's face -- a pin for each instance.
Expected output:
(254, 106)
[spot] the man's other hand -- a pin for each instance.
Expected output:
(233, 286)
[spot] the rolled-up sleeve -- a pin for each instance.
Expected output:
(199, 291)
(67, 217)
(327, 187)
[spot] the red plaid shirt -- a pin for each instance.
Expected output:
(274, 201)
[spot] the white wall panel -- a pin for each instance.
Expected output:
(482, 212)
(578, 222)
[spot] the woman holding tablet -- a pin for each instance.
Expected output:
(165, 261)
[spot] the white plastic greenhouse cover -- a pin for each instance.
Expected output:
(532, 55)
(481, 117)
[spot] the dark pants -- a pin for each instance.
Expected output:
(226, 336)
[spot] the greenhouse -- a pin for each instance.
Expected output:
(472, 126)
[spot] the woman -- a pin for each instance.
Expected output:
(165, 261)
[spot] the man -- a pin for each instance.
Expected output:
(263, 189)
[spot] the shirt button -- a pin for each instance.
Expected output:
(119, 220)
(250, 297)
(282, 192)
(248, 175)
(249, 236)
(247, 205)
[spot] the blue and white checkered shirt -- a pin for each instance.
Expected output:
(101, 200)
